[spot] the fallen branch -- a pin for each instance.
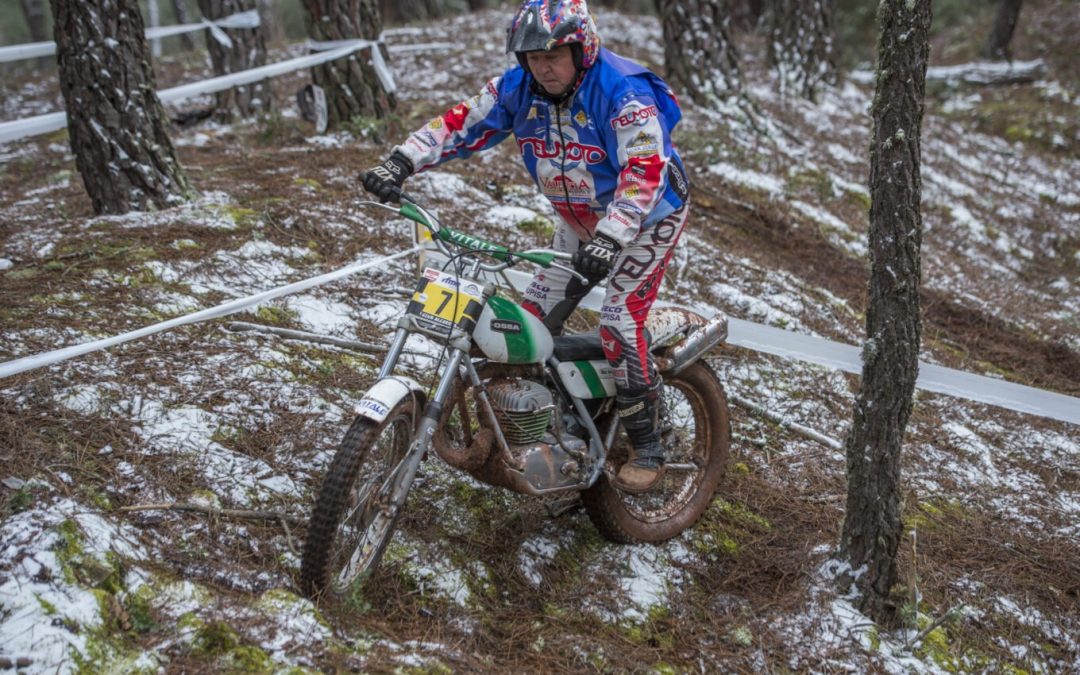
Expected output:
(241, 326)
(994, 73)
(926, 631)
(785, 423)
(210, 510)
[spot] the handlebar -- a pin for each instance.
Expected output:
(440, 234)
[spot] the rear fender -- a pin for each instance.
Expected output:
(386, 394)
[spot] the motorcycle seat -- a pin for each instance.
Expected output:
(582, 346)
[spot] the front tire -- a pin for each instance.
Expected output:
(699, 436)
(353, 519)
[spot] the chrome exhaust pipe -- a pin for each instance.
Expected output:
(699, 340)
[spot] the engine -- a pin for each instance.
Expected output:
(524, 409)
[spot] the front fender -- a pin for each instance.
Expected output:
(386, 394)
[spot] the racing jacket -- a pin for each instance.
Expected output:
(603, 157)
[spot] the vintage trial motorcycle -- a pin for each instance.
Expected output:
(517, 408)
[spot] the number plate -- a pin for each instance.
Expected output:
(443, 299)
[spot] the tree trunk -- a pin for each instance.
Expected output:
(700, 59)
(351, 84)
(116, 124)
(801, 45)
(872, 526)
(248, 50)
(34, 11)
(180, 9)
(746, 15)
(997, 44)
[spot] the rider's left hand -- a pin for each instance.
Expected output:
(594, 259)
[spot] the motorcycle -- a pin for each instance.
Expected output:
(515, 407)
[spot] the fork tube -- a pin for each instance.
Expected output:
(392, 356)
(426, 430)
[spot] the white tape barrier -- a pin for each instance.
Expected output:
(248, 19)
(748, 334)
(43, 124)
(48, 358)
(822, 352)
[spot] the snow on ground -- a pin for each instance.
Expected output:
(58, 563)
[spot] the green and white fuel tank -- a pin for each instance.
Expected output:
(506, 333)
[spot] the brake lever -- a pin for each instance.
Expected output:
(580, 277)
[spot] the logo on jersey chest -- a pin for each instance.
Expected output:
(571, 150)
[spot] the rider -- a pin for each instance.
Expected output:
(594, 131)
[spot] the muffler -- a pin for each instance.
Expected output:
(699, 340)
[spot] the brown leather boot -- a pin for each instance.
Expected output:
(637, 411)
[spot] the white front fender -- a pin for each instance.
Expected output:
(386, 394)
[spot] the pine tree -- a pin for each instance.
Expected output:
(997, 43)
(801, 45)
(872, 526)
(247, 50)
(351, 84)
(700, 59)
(116, 124)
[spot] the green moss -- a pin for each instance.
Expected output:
(308, 183)
(243, 217)
(214, 638)
(740, 468)
(275, 316)
(24, 273)
(20, 500)
(46, 606)
(817, 181)
(741, 514)
(140, 613)
(742, 636)
(539, 225)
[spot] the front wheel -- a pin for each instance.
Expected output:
(696, 435)
(354, 518)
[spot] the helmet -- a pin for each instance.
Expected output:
(542, 25)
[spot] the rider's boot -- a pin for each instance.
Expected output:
(639, 413)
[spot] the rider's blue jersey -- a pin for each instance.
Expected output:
(603, 158)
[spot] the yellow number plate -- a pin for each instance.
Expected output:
(443, 299)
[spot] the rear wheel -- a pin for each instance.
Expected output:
(353, 519)
(696, 436)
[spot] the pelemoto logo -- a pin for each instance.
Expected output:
(505, 326)
(634, 117)
(573, 151)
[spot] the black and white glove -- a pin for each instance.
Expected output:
(385, 180)
(594, 259)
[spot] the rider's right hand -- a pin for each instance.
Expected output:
(385, 180)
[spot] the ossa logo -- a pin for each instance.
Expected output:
(504, 326)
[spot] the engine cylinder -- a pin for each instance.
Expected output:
(524, 409)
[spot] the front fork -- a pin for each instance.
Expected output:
(401, 478)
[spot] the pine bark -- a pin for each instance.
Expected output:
(701, 61)
(351, 84)
(872, 526)
(801, 45)
(34, 12)
(116, 125)
(248, 50)
(997, 44)
(180, 9)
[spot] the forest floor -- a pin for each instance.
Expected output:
(479, 579)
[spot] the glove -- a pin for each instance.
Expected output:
(594, 260)
(385, 180)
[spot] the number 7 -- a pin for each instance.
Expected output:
(449, 295)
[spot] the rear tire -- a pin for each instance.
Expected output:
(700, 434)
(352, 521)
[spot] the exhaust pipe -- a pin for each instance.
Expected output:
(699, 340)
